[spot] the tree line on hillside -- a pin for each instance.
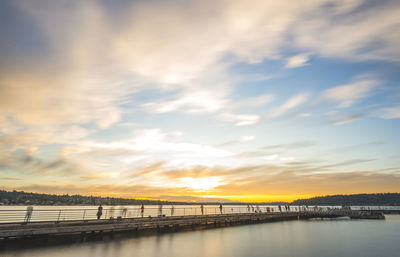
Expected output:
(385, 199)
(25, 198)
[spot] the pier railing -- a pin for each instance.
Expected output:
(66, 214)
(41, 214)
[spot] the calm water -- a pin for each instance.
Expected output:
(374, 238)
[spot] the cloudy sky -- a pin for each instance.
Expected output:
(200, 100)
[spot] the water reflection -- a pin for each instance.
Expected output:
(292, 238)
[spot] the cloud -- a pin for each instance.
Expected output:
(187, 198)
(356, 147)
(28, 163)
(347, 163)
(46, 135)
(240, 119)
(389, 113)
(277, 157)
(290, 146)
(254, 180)
(304, 115)
(254, 101)
(192, 102)
(297, 60)
(237, 141)
(144, 147)
(289, 104)
(90, 52)
(340, 120)
(328, 183)
(324, 31)
(349, 94)
(12, 179)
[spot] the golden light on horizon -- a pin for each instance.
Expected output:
(259, 198)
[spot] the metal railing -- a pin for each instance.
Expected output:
(40, 214)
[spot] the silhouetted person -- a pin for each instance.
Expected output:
(28, 214)
(160, 209)
(99, 211)
(124, 212)
(142, 210)
(220, 208)
(202, 209)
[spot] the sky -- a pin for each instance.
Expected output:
(200, 100)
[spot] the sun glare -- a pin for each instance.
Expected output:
(202, 184)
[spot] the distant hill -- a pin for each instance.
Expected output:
(386, 199)
(26, 198)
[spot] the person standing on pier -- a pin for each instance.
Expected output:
(28, 214)
(142, 210)
(160, 209)
(99, 211)
(220, 208)
(202, 209)
(124, 212)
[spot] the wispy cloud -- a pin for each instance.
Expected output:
(191, 102)
(28, 163)
(344, 119)
(349, 94)
(240, 140)
(290, 146)
(389, 113)
(240, 119)
(291, 103)
(254, 101)
(297, 60)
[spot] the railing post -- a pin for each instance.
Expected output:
(84, 213)
(184, 212)
(59, 214)
(105, 216)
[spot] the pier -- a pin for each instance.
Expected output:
(63, 231)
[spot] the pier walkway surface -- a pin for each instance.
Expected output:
(90, 229)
